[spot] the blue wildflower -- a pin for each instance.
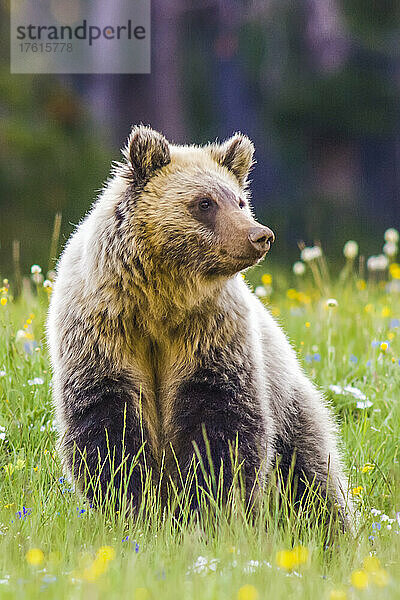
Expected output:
(375, 344)
(317, 357)
(134, 543)
(369, 363)
(308, 358)
(394, 323)
(22, 514)
(353, 358)
(377, 526)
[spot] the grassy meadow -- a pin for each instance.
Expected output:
(346, 331)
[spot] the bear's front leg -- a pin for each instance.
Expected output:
(308, 459)
(103, 438)
(217, 421)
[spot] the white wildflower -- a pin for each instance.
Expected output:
(47, 283)
(390, 249)
(356, 392)
(350, 249)
(332, 303)
(377, 263)
(203, 565)
(20, 335)
(310, 253)
(3, 373)
(251, 567)
(387, 519)
(391, 235)
(375, 512)
(260, 291)
(36, 381)
(362, 405)
(349, 389)
(336, 389)
(299, 268)
(36, 269)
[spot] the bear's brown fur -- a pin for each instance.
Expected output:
(155, 337)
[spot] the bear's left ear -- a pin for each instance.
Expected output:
(146, 151)
(236, 154)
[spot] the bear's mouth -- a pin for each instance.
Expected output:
(252, 258)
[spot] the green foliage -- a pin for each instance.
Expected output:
(51, 159)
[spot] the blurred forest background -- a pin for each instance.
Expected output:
(315, 84)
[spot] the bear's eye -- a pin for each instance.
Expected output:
(242, 204)
(205, 204)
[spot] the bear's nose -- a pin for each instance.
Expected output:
(261, 238)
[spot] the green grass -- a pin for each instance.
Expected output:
(155, 556)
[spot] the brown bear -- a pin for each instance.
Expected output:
(159, 348)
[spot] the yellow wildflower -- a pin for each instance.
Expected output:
(3, 301)
(386, 312)
(35, 557)
(290, 559)
(291, 294)
(391, 335)
(308, 324)
(302, 297)
(359, 579)
(357, 490)
(369, 308)
(247, 592)
(93, 572)
(106, 553)
(361, 284)
(384, 346)
(371, 564)
(367, 468)
(266, 279)
(284, 559)
(300, 555)
(394, 270)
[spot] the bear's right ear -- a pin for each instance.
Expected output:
(146, 151)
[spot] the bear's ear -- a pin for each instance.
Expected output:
(146, 151)
(236, 154)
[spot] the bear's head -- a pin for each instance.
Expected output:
(189, 207)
